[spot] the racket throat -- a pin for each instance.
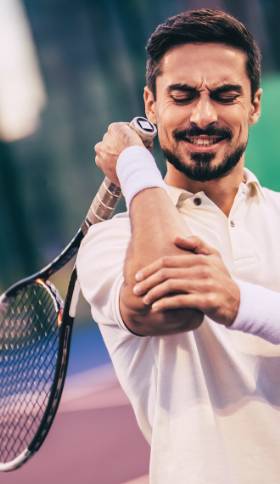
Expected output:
(74, 300)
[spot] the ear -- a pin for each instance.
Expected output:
(255, 110)
(149, 101)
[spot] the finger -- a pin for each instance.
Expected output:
(157, 277)
(181, 286)
(97, 147)
(167, 273)
(194, 244)
(180, 301)
(173, 261)
(98, 160)
(117, 126)
(113, 126)
(167, 288)
(106, 136)
(148, 270)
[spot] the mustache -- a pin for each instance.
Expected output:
(181, 135)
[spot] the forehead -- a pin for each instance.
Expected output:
(209, 64)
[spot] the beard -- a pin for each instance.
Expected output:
(201, 169)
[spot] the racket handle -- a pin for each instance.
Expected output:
(108, 195)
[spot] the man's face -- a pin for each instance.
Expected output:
(203, 108)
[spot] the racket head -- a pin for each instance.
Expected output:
(34, 349)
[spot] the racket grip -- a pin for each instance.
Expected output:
(108, 195)
(103, 204)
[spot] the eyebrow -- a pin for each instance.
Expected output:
(187, 88)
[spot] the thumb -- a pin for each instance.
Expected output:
(194, 244)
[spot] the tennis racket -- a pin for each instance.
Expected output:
(35, 336)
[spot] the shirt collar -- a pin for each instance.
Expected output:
(178, 195)
(253, 183)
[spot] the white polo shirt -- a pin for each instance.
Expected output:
(207, 401)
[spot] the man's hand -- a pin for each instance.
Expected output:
(197, 279)
(118, 137)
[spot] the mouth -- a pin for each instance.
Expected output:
(204, 142)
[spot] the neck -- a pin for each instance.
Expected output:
(221, 191)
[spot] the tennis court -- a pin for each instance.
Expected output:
(95, 439)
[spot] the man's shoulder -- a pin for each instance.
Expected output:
(105, 240)
(120, 221)
(116, 228)
(270, 204)
(272, 196)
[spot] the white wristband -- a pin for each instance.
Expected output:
(136, 170)
(259, 312)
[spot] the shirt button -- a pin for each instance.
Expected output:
(197, 201)
(232, 223)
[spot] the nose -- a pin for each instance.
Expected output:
(203, 113)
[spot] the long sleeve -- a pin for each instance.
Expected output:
(259, 312)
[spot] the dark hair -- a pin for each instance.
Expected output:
(202, 25)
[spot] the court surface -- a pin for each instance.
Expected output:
(95, 438)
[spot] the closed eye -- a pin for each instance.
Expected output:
(183, 99)
(224, 98)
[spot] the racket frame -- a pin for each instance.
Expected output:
(101, 209)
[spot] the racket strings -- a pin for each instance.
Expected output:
(29, 336)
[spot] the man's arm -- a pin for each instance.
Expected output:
(201, 280)
(155, 222)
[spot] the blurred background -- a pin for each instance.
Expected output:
(68, 69)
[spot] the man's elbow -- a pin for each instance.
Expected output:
(139, 319)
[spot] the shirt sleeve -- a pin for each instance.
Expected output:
(100, 264)
(259, 312)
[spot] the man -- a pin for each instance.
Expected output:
(185, 285)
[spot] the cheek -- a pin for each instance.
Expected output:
(241, 132)
(165, 116)
(170, 118)
(239, 122)
(165, 127)
(165, 138)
